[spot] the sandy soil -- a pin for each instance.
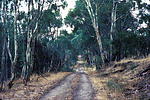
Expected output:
(84, 89)
(77, 84)
(59, 92)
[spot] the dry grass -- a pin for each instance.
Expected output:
(35, 88)
(118, 78)
(69, 95)
(98, 84)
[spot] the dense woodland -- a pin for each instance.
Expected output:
(32, 41)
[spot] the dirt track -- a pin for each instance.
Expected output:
(76, 86)
(84, 89)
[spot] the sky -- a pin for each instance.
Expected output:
(71, 5)
(137, 12)
(64, 12)
(147, 1)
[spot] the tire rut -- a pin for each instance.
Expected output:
(76, 86)
(59, 92)
(84, 90)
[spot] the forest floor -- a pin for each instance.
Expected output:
(127, 79)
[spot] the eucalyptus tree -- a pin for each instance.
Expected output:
(66, 50)
(9, 20)
(144, 18)
(113, 26)
(31, 36)
(15, 28)
(4, 43)
(79, 19)
(4, 19)
(35, 27)
(26, 28)
(51, 21)
(92, 8)
(112, 21)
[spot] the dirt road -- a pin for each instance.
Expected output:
(84, 89)
(76, 86)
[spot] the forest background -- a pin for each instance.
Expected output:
(102, 31)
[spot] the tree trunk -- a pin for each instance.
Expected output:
(6, 67)
(4, 43)
(113, 26)
(31, 36)
(35, 31)
(10, 83)
(97, 64)
(2, 64)
(33, 40)
(28, 51)
(94, 20)
(100, 45)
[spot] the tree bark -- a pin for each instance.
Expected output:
(113, 26)
(10, 83)
(2, 64)
(33, 40)
(27, 69)
(94, 20)
(4, 43)
(28, 50)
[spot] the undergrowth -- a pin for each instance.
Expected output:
(115, 85)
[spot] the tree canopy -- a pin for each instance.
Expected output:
(103, 31)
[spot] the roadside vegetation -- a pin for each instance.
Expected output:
(35, 89)
(122, 80)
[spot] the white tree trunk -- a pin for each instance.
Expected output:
(31, 36)
(94, 20)
(113, 26)
(15, 46)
